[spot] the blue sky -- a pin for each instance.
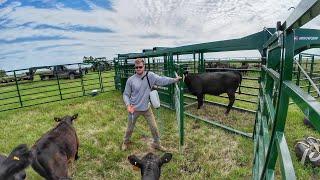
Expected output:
(47, 32)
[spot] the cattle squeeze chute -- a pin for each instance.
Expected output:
(277, 47)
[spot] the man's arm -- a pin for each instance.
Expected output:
(163, 80)
(127, 93)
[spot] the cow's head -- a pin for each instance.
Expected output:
(67, 119)
(12, 168)
(150, 165)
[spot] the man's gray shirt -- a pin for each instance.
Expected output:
(137, 89)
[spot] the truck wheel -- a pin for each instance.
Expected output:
(71, 76)
(47, 78)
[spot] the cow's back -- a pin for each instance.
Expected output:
(62, 138)
(216, 83)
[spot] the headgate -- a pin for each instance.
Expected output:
(278, 48)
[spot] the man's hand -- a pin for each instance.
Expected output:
(178, 78)
(130, 108)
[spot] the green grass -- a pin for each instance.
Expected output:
(209, 152)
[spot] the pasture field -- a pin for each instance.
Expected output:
(209, 152)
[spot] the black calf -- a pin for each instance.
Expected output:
(150, 165)
(12, 167)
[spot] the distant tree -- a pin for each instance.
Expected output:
(99, 63)
(2, 73)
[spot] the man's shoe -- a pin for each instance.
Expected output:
(158, 147)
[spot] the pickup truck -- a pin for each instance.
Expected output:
(60, 70)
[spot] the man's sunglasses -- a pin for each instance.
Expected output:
(138, 67)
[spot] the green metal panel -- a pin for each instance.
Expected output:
(251, 42)
(308, 104)
(303, 13)
(306, 39)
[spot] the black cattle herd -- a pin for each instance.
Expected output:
(57, 148)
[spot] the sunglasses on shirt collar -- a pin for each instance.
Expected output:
(138, 67)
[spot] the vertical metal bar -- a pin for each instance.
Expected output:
(311, 73)
(58, 81)
(194, 62)
(299, 71)
(181, 109)
(165, 65)
(171, 74)
(307, 59)
(178, 58)
(201, 63)
(148, 63)
(19, 95)
(81, 76)
(100, 81)
(116, 76)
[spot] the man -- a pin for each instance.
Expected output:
(136, 98)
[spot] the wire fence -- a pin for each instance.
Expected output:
(45, 84)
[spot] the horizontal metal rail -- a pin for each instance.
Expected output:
(243, 100)
(222, 105)
(8, 92)
(232, 69)
(73, 92)
(47, 85)
(10, 97)
(249, 87)
(70, 82)
(41, 97)
(70, 87)
(91, 84)
(54, 90)
(9, 103)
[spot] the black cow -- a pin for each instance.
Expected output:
(56, 149)
(214, 83)
(244, 67)
(12, 167)
(150, 165)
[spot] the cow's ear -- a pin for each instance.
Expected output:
(75, 116)
(57, 119)
(165, 158)
(134, 160)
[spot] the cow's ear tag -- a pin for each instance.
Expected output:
(16, 158)
(135, 168)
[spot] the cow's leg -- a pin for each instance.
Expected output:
(60, 168)
(39, 165)
(77, 156)
(200, 100)
(231, 95)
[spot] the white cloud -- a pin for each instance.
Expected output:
(2, 1)
(166, 22)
